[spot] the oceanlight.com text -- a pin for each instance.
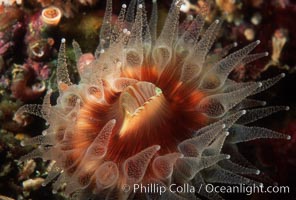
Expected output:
(209, 188)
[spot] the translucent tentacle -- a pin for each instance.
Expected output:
(55, 171)
(192, 34)
(77, 50)
(216, 146)
(153, 21)
(219, 175)
(236, 168)
(259, 113)
(105, 32)
(226, 121)
(98, 148)
(269, 83)
(33, 109)
(163, 165)
(135, 166)
(217, 105)
(195, 146)
(249, 103)
(203, 46)
(106, 175)
(134, 54)
(130, 14)
(168, 33)
(40, 139)
(162, 51)
(188, 167)
(252, 57)
(57, 184)
(240, 133)
(62, 71)
(216, 76)
(119, 24)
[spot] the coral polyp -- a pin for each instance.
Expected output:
(150, 109)
(51, 15)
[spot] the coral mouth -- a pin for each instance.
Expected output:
(135, 98)
(145, 118)
(142, 102)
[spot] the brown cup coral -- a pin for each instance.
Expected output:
(149, 110)
(51, 15)
(23, 86)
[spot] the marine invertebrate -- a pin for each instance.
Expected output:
(24, 87)
(39, 45)
(11, 28)
(149, 110)
(40, 49)
(68, 8)
(279, 39)
(51, 15)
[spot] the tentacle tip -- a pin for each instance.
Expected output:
(283, 75)
(227, 133)
(217, 21)
(258, 172)
(154, 1)
(140, 6)
(260, 84)
(157, 147)
(54, 191)
(258, 42)
(181, 155)
(23, 143)
(244, 112)
(228, 157)
(264, 103)
(289, 137)
(190, 17)
(123, 5)
(223, 125)
(63, 40)
(43, 184)
(266, 53)
(126, 31)
(49, 91)
(235, 44)
(287, 108)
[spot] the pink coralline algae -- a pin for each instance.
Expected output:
(11, 27)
